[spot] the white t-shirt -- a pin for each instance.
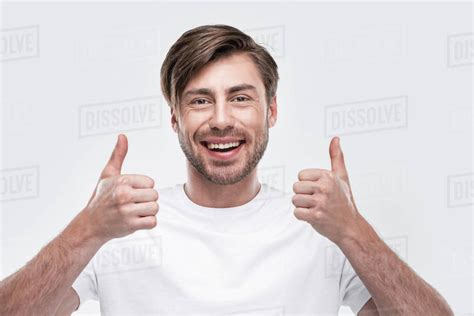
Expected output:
(253, 259)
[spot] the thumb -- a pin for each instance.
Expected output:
(114, 165)
(337, 159)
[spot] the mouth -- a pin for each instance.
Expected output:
(223, 150)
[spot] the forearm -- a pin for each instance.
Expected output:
(39, 286)
(396, 289)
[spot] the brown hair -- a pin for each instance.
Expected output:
(203, 44)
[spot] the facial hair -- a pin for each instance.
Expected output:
(229, 174)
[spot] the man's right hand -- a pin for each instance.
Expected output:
(121, 203)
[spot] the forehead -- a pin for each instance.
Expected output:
(226, 72)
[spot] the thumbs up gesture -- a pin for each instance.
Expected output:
(121, 204)
(323, 198)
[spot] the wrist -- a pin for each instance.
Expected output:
(80, 233)
(359, 233)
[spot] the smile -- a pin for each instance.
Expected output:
(223, 150)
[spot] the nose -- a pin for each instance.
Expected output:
(222, 117)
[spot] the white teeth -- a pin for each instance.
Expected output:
(222, 146)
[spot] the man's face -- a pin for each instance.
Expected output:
(224, 105)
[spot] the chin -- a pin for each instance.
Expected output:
(224, 178)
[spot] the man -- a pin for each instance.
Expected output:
(222, 243)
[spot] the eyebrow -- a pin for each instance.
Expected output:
(206, 91)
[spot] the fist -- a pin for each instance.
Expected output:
(121, 204)
(323, 198)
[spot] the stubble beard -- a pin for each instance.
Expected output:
(224, 172)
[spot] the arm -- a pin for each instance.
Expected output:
(120, 205)
(39, 286)
(324, 199)
(394, 286)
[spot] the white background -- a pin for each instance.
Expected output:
(411, 171)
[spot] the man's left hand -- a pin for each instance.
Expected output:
(323, 198)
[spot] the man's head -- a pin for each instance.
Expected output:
(221, 88)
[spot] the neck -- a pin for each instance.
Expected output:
(208, 194)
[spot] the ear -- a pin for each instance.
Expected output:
(174, 119)
(272, 112)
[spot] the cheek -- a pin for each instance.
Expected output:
(190, 124)
(251, 118)
(196, 118)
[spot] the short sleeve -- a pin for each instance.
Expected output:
(86, 284)
(353, 292)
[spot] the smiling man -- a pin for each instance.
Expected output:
(222, 124)
(222, 243)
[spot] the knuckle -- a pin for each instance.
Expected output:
(123, 199)
(320, 200)
(122, 195)
(317, 215)
(323, 189)
(122, 208)
(121, 179)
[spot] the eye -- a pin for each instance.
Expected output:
(198, 101)
(242, 97)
